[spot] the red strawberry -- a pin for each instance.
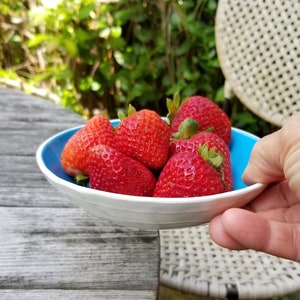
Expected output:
(187, 174)
(75, 155)
(112, 171)
(212, 141)
(144, 136)
(205, 112)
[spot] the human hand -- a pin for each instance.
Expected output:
(271, 222)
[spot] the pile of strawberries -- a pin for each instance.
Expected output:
(185, 155)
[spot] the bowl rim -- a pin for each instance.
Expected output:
(130, 198)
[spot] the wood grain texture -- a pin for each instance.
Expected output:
(75, 294)
(49, 248)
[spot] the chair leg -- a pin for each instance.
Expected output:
(227, 107)
(232, 293)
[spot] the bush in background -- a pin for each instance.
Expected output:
(99, 56)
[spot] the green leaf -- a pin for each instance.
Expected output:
(71, 47)
(187, 129)
(143, 34)
(53, 43)
(95, 86)
(116, 32)
(212, 156)
(124, 15)
(173, 105)
(119, 57)
(85, 11)
(117, 43)
(11, 74)
(37, 40)
(105, 33)
(82, 35)
(82, 180)
(137, 90)
(183, 48)
(219, 98)
(175, 88)
(191, 75)
(106, 69)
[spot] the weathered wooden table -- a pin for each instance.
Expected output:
(50, 249)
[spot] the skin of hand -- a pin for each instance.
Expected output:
(271, 222)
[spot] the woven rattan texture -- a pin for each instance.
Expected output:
(258, 45)
(191, 262)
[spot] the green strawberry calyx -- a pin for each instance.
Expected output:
(173, 106)
(186, 129)
(82, 180)
(212, 156)
(130, 111)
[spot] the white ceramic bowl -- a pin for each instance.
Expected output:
(150, 212)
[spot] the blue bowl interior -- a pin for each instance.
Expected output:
(240, 149)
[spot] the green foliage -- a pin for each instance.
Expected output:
(245, 119)
(106, 55)
(103, 55)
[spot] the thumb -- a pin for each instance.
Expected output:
(242, 229)
(277, 156)
(265, 163)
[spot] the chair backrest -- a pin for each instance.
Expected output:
(258, 45)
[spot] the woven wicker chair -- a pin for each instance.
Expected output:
(258, 45)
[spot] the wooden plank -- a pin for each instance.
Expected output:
(15, 103)
(15, 142)
(31, 220)
(21, 175)
(50, 249)
(51, 294)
